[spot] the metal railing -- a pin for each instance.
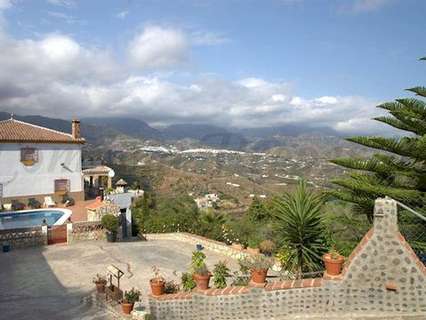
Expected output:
(412, 226)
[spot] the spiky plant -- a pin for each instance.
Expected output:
(399, 170)
(298, 219)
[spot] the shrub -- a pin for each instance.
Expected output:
(131, 296)
(171, 287)
(110, 222)
(220, 273)
(253, 242)
(241, 277)
(267, 247)
(257, 262)
(188, 282)
(198, 265)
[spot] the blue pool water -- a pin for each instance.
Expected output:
(27, 219)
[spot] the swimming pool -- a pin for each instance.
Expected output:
(33, 218)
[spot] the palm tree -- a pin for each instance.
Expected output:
(298, 219)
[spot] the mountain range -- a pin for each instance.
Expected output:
(98, 130)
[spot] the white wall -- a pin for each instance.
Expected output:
(20, 180)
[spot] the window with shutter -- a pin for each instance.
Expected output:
(62, 186)
(29, 156)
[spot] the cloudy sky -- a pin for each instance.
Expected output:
(241, 63)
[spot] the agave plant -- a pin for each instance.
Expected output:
(298, 219)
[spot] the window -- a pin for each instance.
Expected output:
(29, 156)
(62, 186)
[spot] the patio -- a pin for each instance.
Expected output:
(53, 280)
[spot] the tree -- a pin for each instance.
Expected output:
(257, 211)
(298, 219)
(400, 171)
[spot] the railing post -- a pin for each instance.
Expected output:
(44, 231)
(69, 233)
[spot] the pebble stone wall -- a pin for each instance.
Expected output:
(83, 231)
(24, 237)
(383, 276)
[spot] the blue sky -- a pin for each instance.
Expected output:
(236, 62)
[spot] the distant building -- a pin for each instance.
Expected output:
(36, 162)
(207, 201)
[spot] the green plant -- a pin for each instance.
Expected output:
(267, 247)
(171, 287)
(198, 265)
(298, 219)
(398, 170)
(334, 254)
(253, 242)
(110, 222)
(220, 273)
(157, 273)
(188, 282)
(257, 211)
(257, 262)
(131, 296)
(242, 276)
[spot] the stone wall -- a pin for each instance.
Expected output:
(383, 276)
(24, 237)
(83, 231)
(209, 244)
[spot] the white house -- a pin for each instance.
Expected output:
(37, 161)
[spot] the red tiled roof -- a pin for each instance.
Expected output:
(15, 131)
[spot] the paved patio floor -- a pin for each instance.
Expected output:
(50, 282)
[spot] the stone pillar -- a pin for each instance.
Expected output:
(385, 217)
(69, 233)
(44, 232)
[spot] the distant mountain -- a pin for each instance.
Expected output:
(206, 134)
(286, 130)
(128, 126)
(92, 134)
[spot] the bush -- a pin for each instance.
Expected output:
(257, 262)
(110, 222)
(267, 247)
(220, 273)
(188, 282)
(198, 265)
(171, 287)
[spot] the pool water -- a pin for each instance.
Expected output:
(28, 219)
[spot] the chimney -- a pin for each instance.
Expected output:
(76, 129)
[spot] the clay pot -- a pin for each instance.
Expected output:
(334, 266)
(259, 276)
(157, 286)
(253, 250)
(126, 307)
(100, 287)
(202, 281)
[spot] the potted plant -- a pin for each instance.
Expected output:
(252, 247)
(258, 266)
(171, 287)
(267, 247)
(157, 283)
(100, 282)
(110, 223)
(188, 282)
(220, 273)
(130, 297)
(333, 261)
(200, 273)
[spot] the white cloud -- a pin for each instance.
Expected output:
(158, 47)
(63, 3)
(57, 76)
(65, 17)
(5, 4)
(208, 38)
(122, 14)
(368, 5)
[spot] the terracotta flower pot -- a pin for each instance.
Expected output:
(202, 281)
(259, 276)
(126, 307)
(157, 286)
(100, 287)
(333, 266)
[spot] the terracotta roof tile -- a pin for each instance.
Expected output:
(15, 131)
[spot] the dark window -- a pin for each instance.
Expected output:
(62, 185)
(29, 156)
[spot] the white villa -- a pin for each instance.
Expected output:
(36, 162)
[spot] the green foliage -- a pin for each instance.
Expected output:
(220, 273)
(198, 265)
(212, 225)
(110, 222)
(298, 218)
(241, 277)
(257, 211)
(188, 282)
(132, 296)
(267, 247)
(171, 287)
(400, 173)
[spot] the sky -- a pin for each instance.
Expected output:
(236, 63)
